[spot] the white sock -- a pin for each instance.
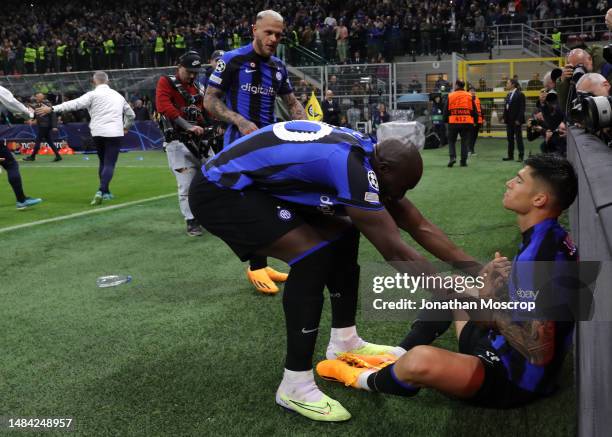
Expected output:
(362, 381)
(300, 386)
(342, 340)
(398, 351)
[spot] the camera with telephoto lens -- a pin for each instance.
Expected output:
(593, 113)
(551, 96)
(579, 71)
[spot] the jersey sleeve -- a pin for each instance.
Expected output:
(355, 181)
(285, 85)
(221, 77)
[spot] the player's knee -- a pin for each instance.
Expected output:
(416, 364)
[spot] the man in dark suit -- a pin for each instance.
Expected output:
(514, 117)
(47, 124)
(331, 109)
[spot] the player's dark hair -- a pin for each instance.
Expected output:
(515, 83)
(558, 173)
(460, 84)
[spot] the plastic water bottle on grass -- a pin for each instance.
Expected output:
(112, 280)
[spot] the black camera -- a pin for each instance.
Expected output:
(555, 74)
(193, 114)
(607, 53)
(579, 71)
(552, 97)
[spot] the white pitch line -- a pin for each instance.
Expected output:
(84, 213)
(88, 166)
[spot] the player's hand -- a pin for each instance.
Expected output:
(43, 110)
(500, 265)
(196, 130)
(568, 72)
(125, 131)
(55, 129)
(518, 123)
(549, 135)
(246, 127)
(2, 159)
(609, 19)
(495, 276)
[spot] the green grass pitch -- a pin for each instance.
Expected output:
(188, 348)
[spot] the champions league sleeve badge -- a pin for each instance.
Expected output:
(220, 66)
(284, 214)
(372, 180)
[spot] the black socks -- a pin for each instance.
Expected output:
(303, 303)
(258, 262)
(385, 381)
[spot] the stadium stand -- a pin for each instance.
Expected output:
(73, 35)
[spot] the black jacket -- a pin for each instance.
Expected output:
(514, 109)
(48, 120)
(331, 112)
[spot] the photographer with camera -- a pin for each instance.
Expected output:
(546, 123)
(592, 107)
(593, 59)
(578, 63)
(179, 101)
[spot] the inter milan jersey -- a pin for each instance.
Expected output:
(545, 254)
(251, 84)
(303, 162)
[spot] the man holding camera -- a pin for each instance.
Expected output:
(546, 123)
(578, 63)
(590, 89)
(179, 101)
(594, 59)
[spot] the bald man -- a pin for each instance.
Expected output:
(241, 92)
(592, 58)
(593, 83)
(303, 192)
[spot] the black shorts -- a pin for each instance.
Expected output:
(497, 391)
(246, 220)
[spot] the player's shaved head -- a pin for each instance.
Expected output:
(398, 166)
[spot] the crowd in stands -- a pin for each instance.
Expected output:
(40, 36)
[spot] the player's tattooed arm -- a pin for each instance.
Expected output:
(534, 339)
(294, 106)
(213, 103)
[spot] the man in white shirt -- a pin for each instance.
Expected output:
(7, 160)
(111, 117)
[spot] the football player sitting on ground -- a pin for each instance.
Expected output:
(513, 359)
(284, 191)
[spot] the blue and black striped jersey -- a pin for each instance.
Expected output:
(251, 84)
(303, 162)
(545, 255)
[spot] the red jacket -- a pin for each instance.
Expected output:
(170, 102)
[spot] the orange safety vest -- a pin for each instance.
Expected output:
(460, 108)
(480, 117)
